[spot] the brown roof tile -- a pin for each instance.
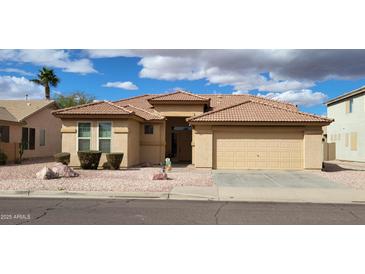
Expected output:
(181, 96)
(251, 111)
(147, 115)
(100, 108)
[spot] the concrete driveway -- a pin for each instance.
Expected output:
(272, 178)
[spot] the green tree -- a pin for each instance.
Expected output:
(74, 99)
(46, 78)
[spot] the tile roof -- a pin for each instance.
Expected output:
(21, 109)
(251, 111)
(5, 115)
(147, 115)
(225, 108)
(220, 101)
(216, 100)
(98, 108)
(180, 96)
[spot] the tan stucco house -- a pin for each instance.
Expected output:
(30, 122)
(208, 131)
(347, 132)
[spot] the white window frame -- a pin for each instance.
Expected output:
(84, 138)
(105, 138)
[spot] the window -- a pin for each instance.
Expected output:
(148, 129)
(28, 138)
(105, 137)
(84, 136)
(353, 141)
(4, 134)
(42, 137)
(351, 105)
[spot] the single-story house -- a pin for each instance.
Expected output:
(347, 133)
(208, 131)
(29, 122)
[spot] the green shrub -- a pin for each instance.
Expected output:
(114, 160)
(63, 157)
(89, 159)
(3, 158)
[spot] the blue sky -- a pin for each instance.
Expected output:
(304, 77)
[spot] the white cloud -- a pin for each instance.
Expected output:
(292, 72)
(123, 85)
(240, 92)
(50, 57)
(303, 97)
(17, 71)
(12, 87)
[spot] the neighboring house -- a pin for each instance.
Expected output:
(30, 122)
(209, 131)
(348, 130)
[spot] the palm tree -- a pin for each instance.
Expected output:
(46, 78)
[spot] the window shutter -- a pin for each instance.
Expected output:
(32, 138)
(25, 137)
(347, 106)
(4, 134)
(353, 141)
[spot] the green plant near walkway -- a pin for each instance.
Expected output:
(89, 159)
(3, 158)
(63, 157)
(22, 147)
(114, 160)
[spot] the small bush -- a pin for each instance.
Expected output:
(3, 158)
(63, 157)
(89, 159)
(114, 160)
(106, 165)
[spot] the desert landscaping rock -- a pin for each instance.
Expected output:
(160, 176)
(64, 171)
(22, 177)
(46, 174)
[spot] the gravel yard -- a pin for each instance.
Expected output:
(350, 174)
(22, 177)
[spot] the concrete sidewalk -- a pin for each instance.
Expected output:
(214, 193)
(261, 194)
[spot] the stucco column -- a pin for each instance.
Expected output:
(313, 148)
(203, 147)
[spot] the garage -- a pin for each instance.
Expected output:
(252, 148)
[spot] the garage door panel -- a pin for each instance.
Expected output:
(250, 150)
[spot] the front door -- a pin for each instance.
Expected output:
(183, 141)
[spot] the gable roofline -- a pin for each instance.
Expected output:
(156, 98)
(346, 95)
(60, 111)
(134, 97)
(52, 102)
(259, 103)
(18, 117)
(150, 113)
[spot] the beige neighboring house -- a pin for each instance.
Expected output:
(208, 131)
(347, 132)
(31, 122)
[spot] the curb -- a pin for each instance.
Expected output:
(158, 196)
(83, 194)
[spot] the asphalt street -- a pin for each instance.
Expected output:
(44, 211)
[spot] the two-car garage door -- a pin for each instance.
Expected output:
(255, 149)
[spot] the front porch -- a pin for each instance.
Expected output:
(178, 136)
